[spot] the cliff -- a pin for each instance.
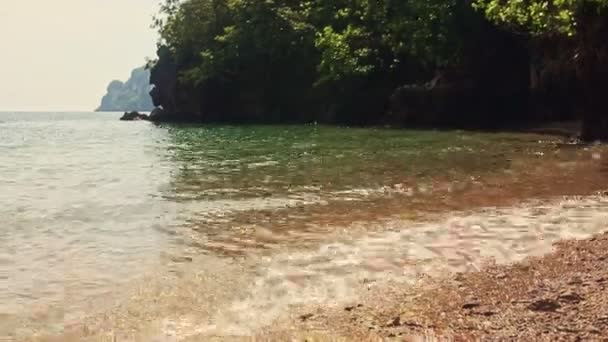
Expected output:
(132, 95)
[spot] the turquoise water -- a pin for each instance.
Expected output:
(258, 160)
(90, 204)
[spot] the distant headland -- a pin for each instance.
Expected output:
(132, 95)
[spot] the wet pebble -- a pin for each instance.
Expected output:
(544, 305)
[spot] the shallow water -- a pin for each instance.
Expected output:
(174, 231)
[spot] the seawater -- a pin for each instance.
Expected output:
(134, 229)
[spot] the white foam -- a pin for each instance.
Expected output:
(335, 272)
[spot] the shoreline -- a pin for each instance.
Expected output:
(551, 128)
(561, 295)
(375, 303)
(531, 178)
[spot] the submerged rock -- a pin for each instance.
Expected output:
(134, 116)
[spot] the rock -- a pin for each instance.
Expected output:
(459, 277)
(487, 313)
(130, 95)
(544, 305)
(575, 280)
(306, 317)
(484, 311)
(471, 302)
(178, 259)
(157, 114)
(570, 297)
(395, 322)
(164, 75)
(133, 116)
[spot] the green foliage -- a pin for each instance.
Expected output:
(340, 54)
(538, 17)
(266, 57)
(375, 35)
(343, 38)
(218, 38)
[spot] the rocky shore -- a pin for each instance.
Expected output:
(561, 296)
(156, 115)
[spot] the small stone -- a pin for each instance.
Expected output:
(181, 259)
(501, 276)
(395, 322)
(306, 317)
(470, 305)
(459, 276)
(570, 297)
(544, 305)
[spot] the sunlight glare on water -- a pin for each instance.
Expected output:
(226, 228)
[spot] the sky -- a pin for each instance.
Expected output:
(60, 55)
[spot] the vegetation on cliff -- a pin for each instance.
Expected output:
(132, 95)
(364, 61)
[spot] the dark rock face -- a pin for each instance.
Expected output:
(178, 100)
(593, 75)
(158, 115)
(489, 86)
(134, 116)
(163, 77)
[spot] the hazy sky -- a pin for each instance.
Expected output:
(61, 54)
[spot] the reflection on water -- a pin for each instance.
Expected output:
(79, 200)
(226, 162)
(129, 228)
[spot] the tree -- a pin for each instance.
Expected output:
(367, 36)
(585, 24)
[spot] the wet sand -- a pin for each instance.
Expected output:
(561, 296)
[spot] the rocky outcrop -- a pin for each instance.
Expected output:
(489, 86)
(158, 115)
(176, 101)
(134, 116)
(163, 78)
(131, 95)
